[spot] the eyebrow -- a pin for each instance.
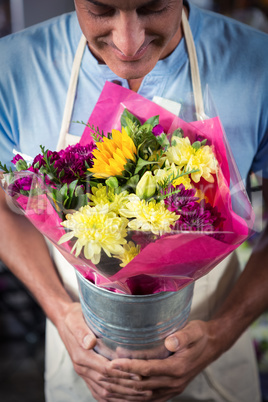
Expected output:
(98, 3)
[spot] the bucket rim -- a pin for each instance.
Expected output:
(123, 295)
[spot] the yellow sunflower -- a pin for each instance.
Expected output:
(111, 155)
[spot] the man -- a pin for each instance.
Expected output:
(139, 43)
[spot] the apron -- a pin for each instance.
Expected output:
(231, 378)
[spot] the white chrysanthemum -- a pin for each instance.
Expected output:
(149, 216)
(102, 195)
(96, 229)
(184, 155)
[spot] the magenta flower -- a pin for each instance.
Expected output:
(183, 198)
(72, 161)
(157, 130)
(199, 217)
(23, 183)
(16, 159)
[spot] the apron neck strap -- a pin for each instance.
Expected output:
(69, 104)
(198, 98)
(196, 82)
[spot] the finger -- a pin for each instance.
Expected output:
(92, 365)
(186, 337)
(145, 368)
(132, 382)
(78, 327)
(149, 383)
(108, 390)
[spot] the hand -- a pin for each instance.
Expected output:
(104, 382)
(193, 347)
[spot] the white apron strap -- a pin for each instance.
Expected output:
(68, 110)
(198, 98)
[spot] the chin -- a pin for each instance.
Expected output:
(131, 71)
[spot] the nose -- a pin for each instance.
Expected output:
(128, 33)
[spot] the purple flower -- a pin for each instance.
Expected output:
(199, 217)
(157, 130)
(183, 198)
(23, 183)
(38, 159)
(200, 138)
(16, 159)
(72, 161)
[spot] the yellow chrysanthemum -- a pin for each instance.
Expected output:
(130, 252)
(190, 158)
(169, 172)
(149, 216)
(111, 155)
(181, 152)
(102, 195)
(205, 161)
(96, 229)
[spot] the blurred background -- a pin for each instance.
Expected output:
(22, 323)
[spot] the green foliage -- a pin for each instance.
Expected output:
(69, 196)
(96, 134)
(168, 181)
(5, 169)
(112, 182)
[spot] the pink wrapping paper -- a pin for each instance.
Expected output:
(174, 260)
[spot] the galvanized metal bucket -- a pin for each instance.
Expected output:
(133, 326)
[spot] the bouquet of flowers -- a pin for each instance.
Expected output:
(143, 203)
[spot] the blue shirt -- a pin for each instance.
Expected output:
(36, 67)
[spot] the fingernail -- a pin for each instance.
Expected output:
(173, 343)
(135, 377)
(86, 341)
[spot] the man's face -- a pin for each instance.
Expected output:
(130, 36)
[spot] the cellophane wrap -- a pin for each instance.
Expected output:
(168, 262)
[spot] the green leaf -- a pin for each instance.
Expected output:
(133, 181)
(196, 145)
(61, 173)
(178, 133)
(141, 163)
(64, 191)
(162, 140)
(146, 128)
(72, 187)
(153, 121)
(127, 115)
(36, 165)
(21, 165)
(5, 169)
(112, 182)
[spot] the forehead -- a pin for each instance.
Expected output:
(125, 4)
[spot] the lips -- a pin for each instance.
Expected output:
(131, 58)
(137, 56)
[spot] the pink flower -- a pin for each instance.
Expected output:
(16, 159)
(157, 130)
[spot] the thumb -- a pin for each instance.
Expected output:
(89, 341)
(79, 329)
(185, 337)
